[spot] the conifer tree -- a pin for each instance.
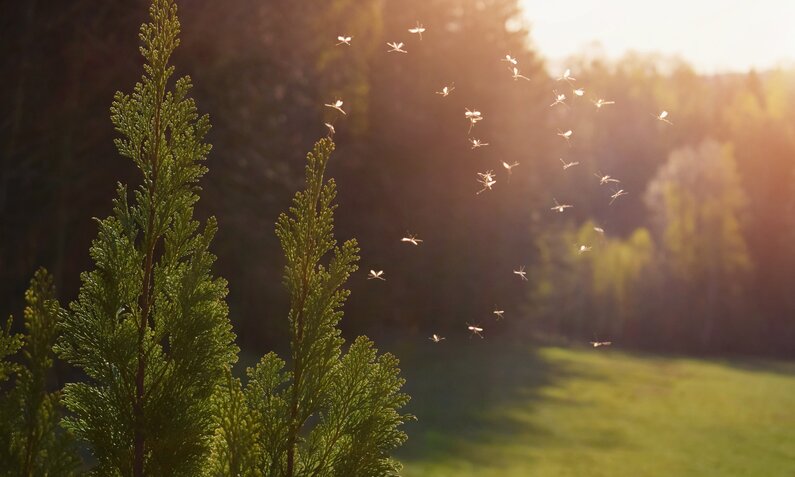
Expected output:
(9, 345)
(149, 327)
(330, 414)
(31, 441)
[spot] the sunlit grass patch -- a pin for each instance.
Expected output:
(487, 410)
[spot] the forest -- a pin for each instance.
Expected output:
(695, 258)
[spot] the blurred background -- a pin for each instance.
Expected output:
(692, 279)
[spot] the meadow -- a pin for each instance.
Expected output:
(486, 409)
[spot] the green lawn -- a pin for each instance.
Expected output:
(486, 409)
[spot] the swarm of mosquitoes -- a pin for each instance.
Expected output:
(488, 179)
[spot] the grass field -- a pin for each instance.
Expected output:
(490, 410)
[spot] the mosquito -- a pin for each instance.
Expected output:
(476, 143)
(476, 330)
(489, 175)
(473, 116)
(566, 165)
(498, 314)
(376, 275)
(583, 248)
(396, 47)
(601, 102)
(436, 338)
(566, 76)
(510, 59)
(336, 105)
(560, 98)
(605, 178)
(509, 167)
(521, 273)
(446, 91)
(419, 30)
(516, 75)
(566, 135)
(662, 117)
(344, 40)
(331, 130)
(578, 92)
(412, 239)
(616, 195)
(597, 344)
(487, 180)
(560, 207)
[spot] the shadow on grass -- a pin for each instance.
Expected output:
(476, 395)
(784, 368)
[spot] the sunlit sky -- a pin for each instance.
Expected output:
(712, 35)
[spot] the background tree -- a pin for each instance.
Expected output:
(31, 440)
(606, 291)
(150, 326)
(761, 127)
(626, 284)
(697, 201)
(57, 77)
(331, 414)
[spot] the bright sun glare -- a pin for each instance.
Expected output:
(712, 35)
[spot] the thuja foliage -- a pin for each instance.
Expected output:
(31, 441)
(149, 327)
(150, 332)
(329, 413)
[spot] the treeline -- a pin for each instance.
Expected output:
(694, 257)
